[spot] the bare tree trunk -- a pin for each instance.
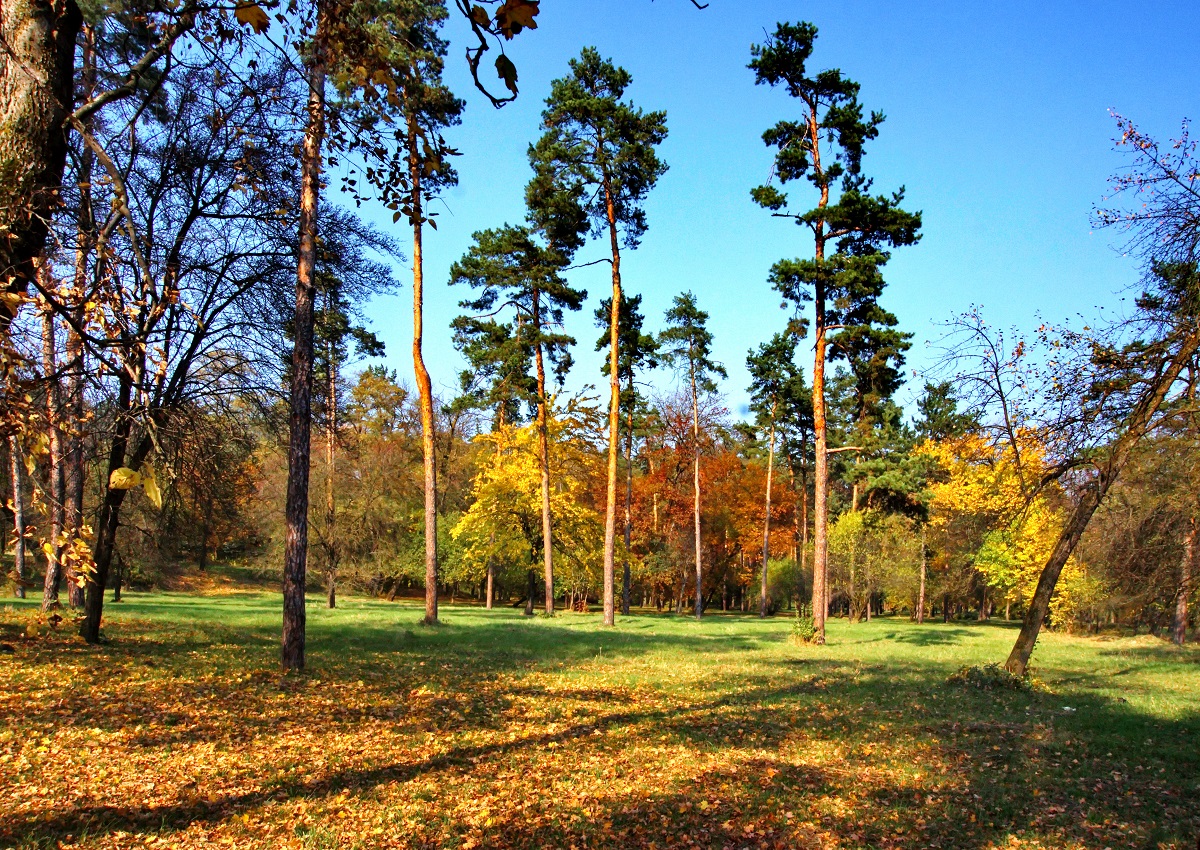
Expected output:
(544, 463)
(921, 592)
(18, 502)
(424, 385)
(55, 478)
(1136, 425)
(491, 581)
(614, 410)
(531, 591)
(1179, 623)
(295, 555)
(762, 602)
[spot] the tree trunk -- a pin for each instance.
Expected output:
(945, 607)
(1136, 425)
(626, 578)
(331, 540)
(295, 555)
(543, 416)
(55, 481)
(118, 577)
(491, 581)
(1179, 623)
(762, 602)
(36, 95)
(18, 502)
(696, 486)
(424, 386)
(921, 592)
(614, 410)
(531, 591)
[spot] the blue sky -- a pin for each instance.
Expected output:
(997, 124)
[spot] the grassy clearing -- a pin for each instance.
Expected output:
(494, 730)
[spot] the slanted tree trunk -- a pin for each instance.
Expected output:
(543, 416)
(1179, 623)
(921, 591)
(614, 409)
(18, 503)
(295, 555)
(762, 602)
(424, 385)
(1108, 470)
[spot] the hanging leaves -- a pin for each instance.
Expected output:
(251, 15)
(515, 15)
(507, 71)
(150, 485)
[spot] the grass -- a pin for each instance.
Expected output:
(494, 730)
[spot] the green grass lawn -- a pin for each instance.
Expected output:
(495, 730)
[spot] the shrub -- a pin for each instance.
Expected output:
(991, 677)
(803, 630)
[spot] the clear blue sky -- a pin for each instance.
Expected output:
(997, 124)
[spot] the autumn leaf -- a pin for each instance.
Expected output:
(516, 15)
(479, 16)
(507, 71)
(151, 486)
(123, 479)
(252, 15)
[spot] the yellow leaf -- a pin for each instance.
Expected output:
(123, 479)
(252, 15)
(151, 485)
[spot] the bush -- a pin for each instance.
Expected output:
(991, 677)
(803, 630)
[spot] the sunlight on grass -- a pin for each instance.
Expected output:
(494, 730)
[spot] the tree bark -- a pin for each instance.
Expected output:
(614, 410)
(532, 589)
(424, 385)
(56, 482)
(331, 541)
(295, 557)
(1179, 623)
(626, 577)
(543, 416)
(18, 502)
(37, 94)
(762, 602)
(921, 592)
(1136, 426)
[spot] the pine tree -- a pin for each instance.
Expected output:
(597, 161)
(850, 226)
(686, 345)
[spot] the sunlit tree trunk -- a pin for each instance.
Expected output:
(762, 602)
(921, 591)
(544, 463)
(18, 505)
(626, 578)
(295, 556)
(1179, 623)
(331, 540)
(614, 411)
(424, 385)
(55, 479)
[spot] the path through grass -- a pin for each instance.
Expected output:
(499, 731)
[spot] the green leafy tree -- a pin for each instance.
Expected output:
(686, 345)
(597, 161)
(850, 226)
